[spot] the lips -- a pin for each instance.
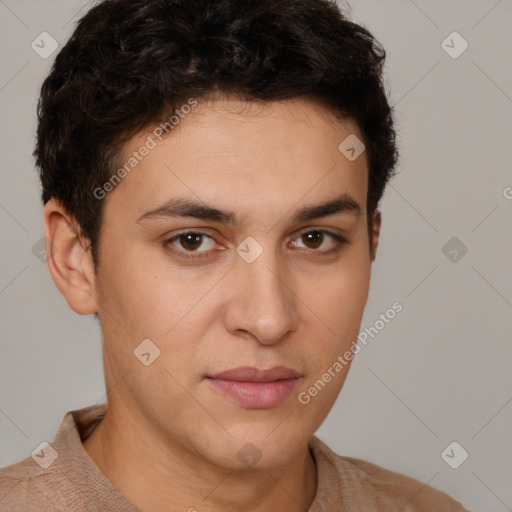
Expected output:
(256, 388)
(250, 374)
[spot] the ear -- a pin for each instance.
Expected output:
(375, 233)
(69, 259)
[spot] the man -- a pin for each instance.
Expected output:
(211, 176)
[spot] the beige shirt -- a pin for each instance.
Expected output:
(65, 478)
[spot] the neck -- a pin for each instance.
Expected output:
(152, 475)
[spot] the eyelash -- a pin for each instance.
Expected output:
(194, 255)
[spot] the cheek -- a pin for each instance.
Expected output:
(142, 295)
(349, 294)
(146, 299)
(144, 302)
(339, 304)
(342, 296)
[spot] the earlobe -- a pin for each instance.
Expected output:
(375, 234)
(69, 259)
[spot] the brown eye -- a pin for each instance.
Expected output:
(190, 244)
(320, 241)
(190, 241)
(313, 238)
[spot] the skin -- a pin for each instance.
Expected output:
(168, 436)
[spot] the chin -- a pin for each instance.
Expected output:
(257, 449)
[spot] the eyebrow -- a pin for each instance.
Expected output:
(181, 207)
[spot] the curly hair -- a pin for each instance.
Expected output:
(130, 63)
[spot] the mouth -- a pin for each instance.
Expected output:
(256, 388)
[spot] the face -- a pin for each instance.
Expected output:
(239, 246)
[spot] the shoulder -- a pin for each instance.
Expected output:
(382, 488)
(54, 476)
(408, 492)
(27, 486)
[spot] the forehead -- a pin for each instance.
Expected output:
(242, 155)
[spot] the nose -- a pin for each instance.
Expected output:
(261, 303)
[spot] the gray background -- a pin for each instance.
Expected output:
(440, 371)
